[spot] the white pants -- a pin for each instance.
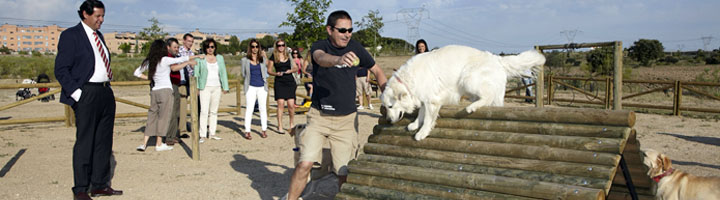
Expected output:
(259, 94)
(209, 102)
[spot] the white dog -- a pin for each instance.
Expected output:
(431, 80)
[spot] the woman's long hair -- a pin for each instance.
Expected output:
(417, 50)
(276, 52)
(158, 50)
(249, 50)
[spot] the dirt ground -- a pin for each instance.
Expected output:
(37, 158)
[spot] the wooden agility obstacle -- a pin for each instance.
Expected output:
(503, 153)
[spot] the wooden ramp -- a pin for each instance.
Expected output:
(502, 153)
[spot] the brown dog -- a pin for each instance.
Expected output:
(673, 184)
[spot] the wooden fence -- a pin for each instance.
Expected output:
(602, 93)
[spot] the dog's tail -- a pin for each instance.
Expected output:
(523, 63)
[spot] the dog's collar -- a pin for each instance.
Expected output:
(658, 177)
(403, 83)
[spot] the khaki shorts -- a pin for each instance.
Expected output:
(361, 84)
(341, 131)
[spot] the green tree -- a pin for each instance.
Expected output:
(125, 47)
(373, 24)
(267, 41)
(308, 20)
(154, 32)
(601, 61)
(646, 51)
(4, 50)
(234, 45)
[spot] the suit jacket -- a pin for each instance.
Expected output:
(75, 61)
(245, 63)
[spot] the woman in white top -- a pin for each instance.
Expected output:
(158, 64)
(211, 81)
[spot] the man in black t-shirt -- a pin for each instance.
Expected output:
(333, 115)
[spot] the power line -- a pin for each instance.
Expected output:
(412, 17)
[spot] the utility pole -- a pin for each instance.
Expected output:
(706, 41)
(412, 17)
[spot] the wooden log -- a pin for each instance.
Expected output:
(31, 120)
(543, 128)
(194, 136)
(129, 115)
(479, 169)
(556, 115)
(412, 187)
(647, 92)
(28, 100)
(639, 190)
(490, 183)
(639, 179)
(35, 85)
(69, 116)
(610, 145)
(554, 167)
(616, 195)
(380, 193)
(344, 196)
(501, 149)
(125, 101)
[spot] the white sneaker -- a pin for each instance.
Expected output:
(142, 147)
(286, 196)
(360, 107)
(370, 107)
(215, 137)
(163, 147)
(202, 140)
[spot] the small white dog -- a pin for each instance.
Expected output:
(431, 80)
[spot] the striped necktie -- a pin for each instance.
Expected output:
(104, 57)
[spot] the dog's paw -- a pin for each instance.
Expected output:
(421, 135)
(413, 126)
(470, 109)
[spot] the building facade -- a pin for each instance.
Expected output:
(29, 38)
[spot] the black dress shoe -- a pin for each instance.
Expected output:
(82, 196)
(105, 192)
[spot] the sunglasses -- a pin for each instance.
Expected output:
(254, 47)
(344, 30)
(281, 45)
(211, 47)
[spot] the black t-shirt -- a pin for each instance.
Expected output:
(333, 87)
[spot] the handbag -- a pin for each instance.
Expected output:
(298, 79)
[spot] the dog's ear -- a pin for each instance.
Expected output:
(666, 163)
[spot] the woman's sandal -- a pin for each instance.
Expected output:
(264, 135)
(247, 136)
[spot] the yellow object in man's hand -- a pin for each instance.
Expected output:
(356, 62)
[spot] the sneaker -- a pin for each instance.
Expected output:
(360, 107)
(286, 196)
(202, 140)
(215, 137)
(370, 107)
(141, 147)
(163, 147)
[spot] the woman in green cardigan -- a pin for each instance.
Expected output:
(211, 81)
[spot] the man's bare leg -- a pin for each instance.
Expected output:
(299, 179)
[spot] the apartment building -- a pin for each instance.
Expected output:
(29, 38)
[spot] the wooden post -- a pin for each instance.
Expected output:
(618, 65)
(608, 92)
(550, 89)
(194, 119)
(238, 95)
(69, 116)
(676, 98)
(540, 83)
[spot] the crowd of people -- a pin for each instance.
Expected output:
(338, 65)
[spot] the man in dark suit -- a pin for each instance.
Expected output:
(82, 67)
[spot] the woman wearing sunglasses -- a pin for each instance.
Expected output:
(255, 73)
(212, 82)
(280, 66)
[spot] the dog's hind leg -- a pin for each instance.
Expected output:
(418, 120)
(429, 117)
(484, 101)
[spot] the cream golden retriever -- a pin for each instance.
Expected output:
(431, 80)
(673, 184)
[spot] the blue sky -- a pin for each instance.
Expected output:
(493, 25)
